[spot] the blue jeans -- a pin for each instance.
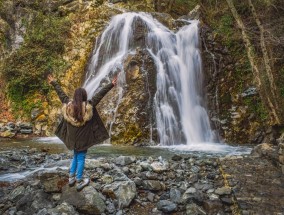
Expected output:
(78, 164)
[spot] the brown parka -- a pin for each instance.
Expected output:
(91, 133)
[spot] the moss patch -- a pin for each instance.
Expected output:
(41, 52)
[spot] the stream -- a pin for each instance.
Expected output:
(20, 158)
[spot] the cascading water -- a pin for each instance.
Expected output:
(180, 116)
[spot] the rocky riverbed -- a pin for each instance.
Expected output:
(35, 182)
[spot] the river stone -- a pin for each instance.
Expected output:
(193, 178)
(175, 195)
(17, 193)
(55, 157)
(190, 190)
(118, 175)
(53, 181)
(213, 196)
(86, 201)
(265, 149)
(124, 160)
(25, 125)
(223, 191)
(193, 195)
(151, 196)
(106, 166)
(193, 209)
(7, 133)
(227, 201)
(11, 125)
(110, 207)
(153, 185)
(166, 206)
(145, 166)
(151, 175)
(93, 163)
(66, 208)
(177, 158)
(159, 166)
(26, 131)
(138, 181)
(212, 207)
(24, 204)
(41, 200)
(124, 192)
(43, 211)
(107, 179)
(56, 196)
(195, 169)
(126, 170)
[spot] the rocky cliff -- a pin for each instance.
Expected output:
(59, 36)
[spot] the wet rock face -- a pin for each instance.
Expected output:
(230, 110)
(135, 119)
(11, 129)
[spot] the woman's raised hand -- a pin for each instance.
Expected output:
(114, 80)
(50, 78)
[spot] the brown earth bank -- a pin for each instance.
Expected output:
(182, 184)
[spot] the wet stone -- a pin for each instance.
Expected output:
(175, 195)
(17, 193)
(227, 201)
(193, 209)
(166, 206)
(212, 207)
(223, 190)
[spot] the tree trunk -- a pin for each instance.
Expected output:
(265, 54)
(256, 71)
(170, 5)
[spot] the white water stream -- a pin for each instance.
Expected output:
(180, 114)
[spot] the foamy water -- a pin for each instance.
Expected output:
(209, 148)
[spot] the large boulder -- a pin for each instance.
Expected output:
(87, 201)
(53, 181)
(124, 160)
(66, 208)
(134, 118)
(266, 150)
(124, 192)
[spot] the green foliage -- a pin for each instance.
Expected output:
(187, 4)
(181, 7)
(256, 106)
(225, 28)
(41, 52)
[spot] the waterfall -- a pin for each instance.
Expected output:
(180, 115)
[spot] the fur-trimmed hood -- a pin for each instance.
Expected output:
(68, 113)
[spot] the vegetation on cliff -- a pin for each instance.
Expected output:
(245, 39)
(41, 51)
(246, 44)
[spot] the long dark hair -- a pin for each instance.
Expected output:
(80, 96)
